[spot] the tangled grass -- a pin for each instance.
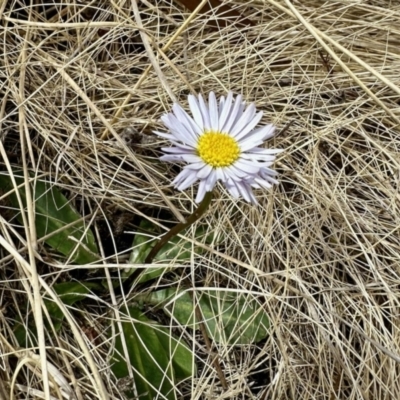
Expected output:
(82, 87)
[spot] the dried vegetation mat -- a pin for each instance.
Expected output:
(82, 87)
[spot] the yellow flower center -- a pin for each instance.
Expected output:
(218, 149)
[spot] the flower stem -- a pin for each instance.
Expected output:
(197, 214)
(200, 210)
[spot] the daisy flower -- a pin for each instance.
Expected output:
(219, 142)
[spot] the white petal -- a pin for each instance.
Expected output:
(247, 166)
(233, 190)
(182, 176)
(195, 109)
(220, 174)
(246, 117)
(221, 105)
(242, 106)
(182, 116)
(196, 166)
(263, 183)
(267, 171)
(230, 119)
(187, 147)
(179, 130)
(187, 182)
(263, 133)
(211, 180)
(178, 150)
(213, 107)
(191, 158)
(244, 191)
(166, 121)
(233, 171)
(173, 129)
(164, 135)
(267, 164)
(204, 113)
(248, 127)
(253, 199)
(236, 174)
(201, 191)
(255, 157)
(260, 150)
(269, 178)
(249, 143)
(204, 172)
(225, 110)
(172, 158)
(232, 176)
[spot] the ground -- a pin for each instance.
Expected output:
(83, 86)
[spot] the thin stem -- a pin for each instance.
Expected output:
(197, 214)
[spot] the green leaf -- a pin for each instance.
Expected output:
(177, 351)
(69, 293)
(26, 335)
(176, 249)
(230, 317)
(158, 359)
(53, 211)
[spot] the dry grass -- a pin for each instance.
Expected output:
(320, 252)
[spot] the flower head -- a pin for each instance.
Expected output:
(219, 143)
